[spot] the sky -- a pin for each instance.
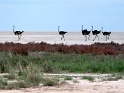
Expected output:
(70, 15)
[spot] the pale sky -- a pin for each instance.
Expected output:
(47, 15)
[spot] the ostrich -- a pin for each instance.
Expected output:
(85, 32)
(19, 33)
(95, 32)
(62, 33)
(106, 34)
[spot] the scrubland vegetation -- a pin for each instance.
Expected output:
(26, 63)
(97, 48)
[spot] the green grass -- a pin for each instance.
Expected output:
(67, 77)
(10, 76)
(50, 81)
(59, 63)
(90, 78)
(28, 69)
(114, 77)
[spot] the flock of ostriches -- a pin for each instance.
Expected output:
(85, 32)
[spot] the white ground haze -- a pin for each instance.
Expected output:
(54, 37)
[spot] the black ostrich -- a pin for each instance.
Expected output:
(62, 33)
(85, 32)
(105, 33)
(18, 33)
(95, 32)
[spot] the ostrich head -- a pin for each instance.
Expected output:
(92, 28)
(22, 31)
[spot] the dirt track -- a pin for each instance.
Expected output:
(81, 87)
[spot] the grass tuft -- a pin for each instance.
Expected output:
(90, 78)
(50, 81)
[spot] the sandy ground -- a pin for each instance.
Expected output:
(83, 86)
(80, 86)
(54, 37)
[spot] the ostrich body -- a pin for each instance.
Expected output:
(107, 34)
(95, 32)
(85, 32)
(18, 33)
(62, 33)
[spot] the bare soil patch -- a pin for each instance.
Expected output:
(81, 86)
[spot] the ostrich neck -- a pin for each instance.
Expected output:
(92, 28)
(102, 29)
(13, 29)
(58, 29)
(82, 27)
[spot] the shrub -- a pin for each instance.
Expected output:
(97, 48)
(50, 81)
(90, 78)
(33, 80)
(68, 78)
(3, 84)
(10, 76)
(48, 67)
